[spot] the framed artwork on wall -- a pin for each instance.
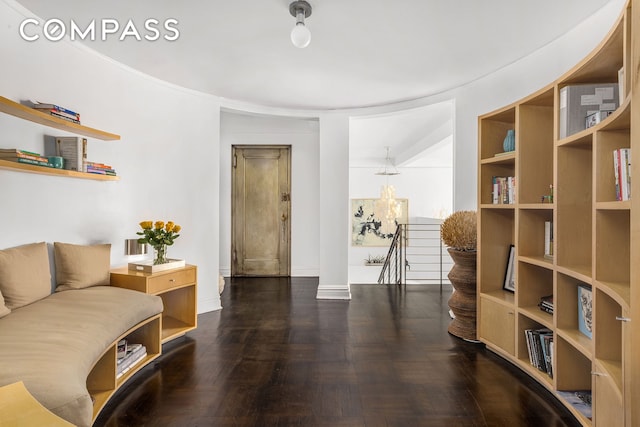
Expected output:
(366, 229)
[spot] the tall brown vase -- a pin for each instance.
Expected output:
(463, 301)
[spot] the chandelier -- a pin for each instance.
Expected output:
(387, 209)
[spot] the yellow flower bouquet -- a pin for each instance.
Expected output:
(159, 235)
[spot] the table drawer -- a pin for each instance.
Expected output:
(171, 280)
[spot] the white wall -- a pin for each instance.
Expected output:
(167, 158)
(512, 83)
(302, 135)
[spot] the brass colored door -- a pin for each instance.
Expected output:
(260, 211)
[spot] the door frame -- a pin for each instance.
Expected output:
(287, 256)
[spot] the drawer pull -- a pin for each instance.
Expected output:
(623, 319)
(172, 280)
(598, 374)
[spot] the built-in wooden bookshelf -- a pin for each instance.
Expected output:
(13, 108)
(596, 237)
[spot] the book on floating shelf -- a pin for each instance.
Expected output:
(55, 110)
(74, 151)
(14, 154)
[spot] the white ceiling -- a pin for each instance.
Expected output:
(362, 53)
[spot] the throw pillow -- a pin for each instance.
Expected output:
(24, 274)
(81, 266)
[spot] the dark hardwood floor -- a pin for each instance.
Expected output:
(276, 356)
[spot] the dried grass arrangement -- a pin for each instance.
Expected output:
(459, 231)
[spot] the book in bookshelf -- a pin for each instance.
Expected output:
(622, 173)
(134, 353)
(540, 349)
(546, 304)
(503, 190)
(74, 151)
(548, 240)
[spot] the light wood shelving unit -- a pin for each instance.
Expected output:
(12, 108)
(178, 290)
(596, 237)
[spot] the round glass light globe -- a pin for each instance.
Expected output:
(300, 36)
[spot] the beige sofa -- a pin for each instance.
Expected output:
(53, 341)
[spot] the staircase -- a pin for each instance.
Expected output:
(417, 256)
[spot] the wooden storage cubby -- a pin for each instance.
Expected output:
(574, 206)
(535, 135)
(616, 135)
(566, 300)
(572, 371)
(596, 237)
(534, 282)
(497, 227)
(102, 382)
(494, 129)
(178, 290)
(612, 254)
(501, 166)
(531, 234)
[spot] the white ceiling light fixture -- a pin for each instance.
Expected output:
(300, 35)
(388, 168)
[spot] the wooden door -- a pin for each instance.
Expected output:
(260, 211)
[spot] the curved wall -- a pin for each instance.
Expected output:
(169, 155)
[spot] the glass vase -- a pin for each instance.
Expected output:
(160, 253)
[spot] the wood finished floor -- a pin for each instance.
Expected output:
(276, 356)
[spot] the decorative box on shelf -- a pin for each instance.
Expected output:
(149, 267)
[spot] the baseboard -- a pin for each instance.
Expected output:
(333, 292)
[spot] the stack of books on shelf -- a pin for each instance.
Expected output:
(546, 304)
(540, 348)
(56, 111)
(129, 355)
(503, 190)
(98, 168)
(22, 156)
(74, 151)
(622, 172)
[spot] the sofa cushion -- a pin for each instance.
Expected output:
(24, 274)
(81, 266)
(52, 345)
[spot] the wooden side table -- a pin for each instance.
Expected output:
(176, 287)
(19, 408)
